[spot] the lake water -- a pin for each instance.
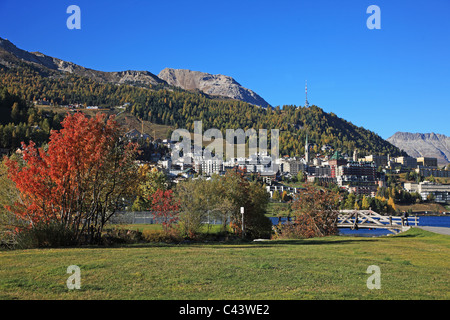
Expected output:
(424, 220)
(428, 221)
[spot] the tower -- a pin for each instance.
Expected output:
(306, 94)
(355, 155)
(307, 150)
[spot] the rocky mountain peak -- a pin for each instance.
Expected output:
(423, 145)
(212, 84)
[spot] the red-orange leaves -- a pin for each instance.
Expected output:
(79, 178)
(165, 208)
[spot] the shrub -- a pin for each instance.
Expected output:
(165, 208)
(121, 236)
(45, 235)
(315, 214)
(301, 228)
(7, 239)
(160, 236)
(260, 227)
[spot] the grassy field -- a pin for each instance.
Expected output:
(414, 265)
(423, 207)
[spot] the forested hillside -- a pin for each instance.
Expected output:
(20, 122)
(181, 108)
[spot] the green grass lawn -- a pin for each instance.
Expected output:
(414, 265)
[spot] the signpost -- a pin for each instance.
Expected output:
(242, 213)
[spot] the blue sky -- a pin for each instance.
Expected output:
(388, 80)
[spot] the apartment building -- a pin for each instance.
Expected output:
(427, 162)
(441, 192)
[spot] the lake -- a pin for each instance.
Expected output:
(428, 221)
(424, 220)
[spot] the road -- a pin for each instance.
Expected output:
(440, 230)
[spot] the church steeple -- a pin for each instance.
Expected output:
(307, 150)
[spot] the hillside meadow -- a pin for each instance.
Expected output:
(413, 265)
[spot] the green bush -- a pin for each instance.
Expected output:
(45, 235)
(261, 227)
(121, 236)
(160, 236)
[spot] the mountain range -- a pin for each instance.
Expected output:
(175, 99)
(214, 85)
(423, 145)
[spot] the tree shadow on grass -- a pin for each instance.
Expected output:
(245, 244)
(240, 244)
(248, 244)
(318, 241)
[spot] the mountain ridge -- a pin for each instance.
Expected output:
(171, 106)
(423, 145)
(215, 86)
(42, 60)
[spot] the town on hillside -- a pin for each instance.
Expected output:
(406, 179)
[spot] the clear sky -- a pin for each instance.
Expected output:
(388, 80)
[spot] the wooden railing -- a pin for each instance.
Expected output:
(356, 219)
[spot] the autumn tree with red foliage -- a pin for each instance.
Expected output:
(315, 213)
(165, 208)
(79, 180)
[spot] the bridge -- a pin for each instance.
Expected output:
(356, 219)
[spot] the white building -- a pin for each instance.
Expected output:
(208, 167)
(441, 192)
(292, 166)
